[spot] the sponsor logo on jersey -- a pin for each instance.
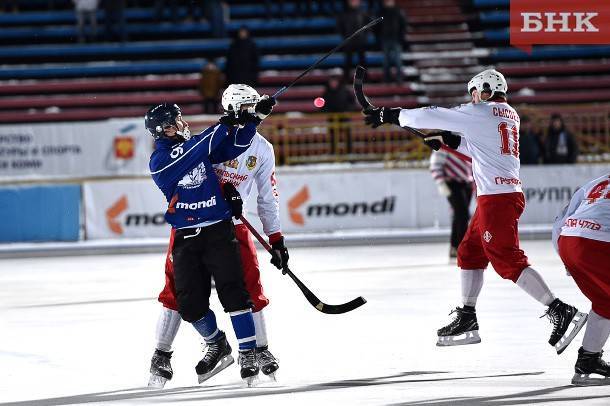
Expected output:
(251, 162)
(298, 211)
(117, 225)
(194, 178)
(197, 205)
(487, 236)
(233, 163)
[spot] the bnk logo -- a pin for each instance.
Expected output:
(559, 22)
(341, 209)
(113, 217)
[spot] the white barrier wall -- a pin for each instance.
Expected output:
(314, 201)
(68, 150)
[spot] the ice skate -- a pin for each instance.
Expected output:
(249, 366)
(562, 316)
(267, 362)
(160, 369)
(590, 363)
(463, 330)
(216, 358)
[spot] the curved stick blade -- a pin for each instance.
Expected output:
(324, 307)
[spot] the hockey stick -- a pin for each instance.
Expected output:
(367, 105)
(332, 51)
(311, 298)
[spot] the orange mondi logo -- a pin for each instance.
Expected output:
(295, 202)
(113, 212)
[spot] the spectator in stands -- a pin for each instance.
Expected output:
(115, 20)
(162, 5)
(454, 181)
(560, 145)
(243, 60)
(391, 35)
(86, 9)
(214, 12)
(338, 100)
(210, 85)
(348, 22)
(530, 144)
(337, 97)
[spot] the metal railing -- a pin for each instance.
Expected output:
(335, 138)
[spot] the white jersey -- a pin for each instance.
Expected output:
(490, 136)
(588, 213)
(257, 164)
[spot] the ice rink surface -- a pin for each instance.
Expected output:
(81, 330)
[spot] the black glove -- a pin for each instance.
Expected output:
(231, 119)
(279, 254)
(233, 197)
(377, 116)
(436, 139)
(264, 107)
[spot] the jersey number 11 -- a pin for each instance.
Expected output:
(506, 134)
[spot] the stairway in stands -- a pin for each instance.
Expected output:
(441, 48)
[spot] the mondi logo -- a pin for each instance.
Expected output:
(340, 209)
(131, 219)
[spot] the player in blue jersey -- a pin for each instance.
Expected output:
(205, 246)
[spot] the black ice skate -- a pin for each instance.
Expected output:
(216, 358)
(160, 369)
(248, 363)
(562, 316)
(590, 363)
(267, 362)
(463, 330)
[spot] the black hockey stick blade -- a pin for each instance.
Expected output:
(311, 298)
(324, 307)
(358, 88)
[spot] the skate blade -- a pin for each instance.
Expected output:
(251, 381)
(272, 376)
(469, 337)
(579, 321)
(224, 363)
(156, 381)
(586, 380)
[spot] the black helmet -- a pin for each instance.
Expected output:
(160, 116)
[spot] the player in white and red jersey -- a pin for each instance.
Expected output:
(255, 166)
(487, 130)
(581, 235)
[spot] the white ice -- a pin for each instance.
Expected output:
(81, 330)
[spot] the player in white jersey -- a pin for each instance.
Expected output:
(256, 165)
(487, 130)
(581, 235)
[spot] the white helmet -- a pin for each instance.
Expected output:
(237, 94)
(489, 80)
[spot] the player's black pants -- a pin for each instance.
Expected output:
(461, 193)
(201, 254)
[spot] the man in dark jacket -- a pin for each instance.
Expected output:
(243, 60)
(391, 35)
(349, 22)
(530, 147)
(560, 146)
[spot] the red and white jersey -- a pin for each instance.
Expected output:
(490, 135)
(588, 214)
(257, 164)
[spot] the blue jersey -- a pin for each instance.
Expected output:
(184, 173)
